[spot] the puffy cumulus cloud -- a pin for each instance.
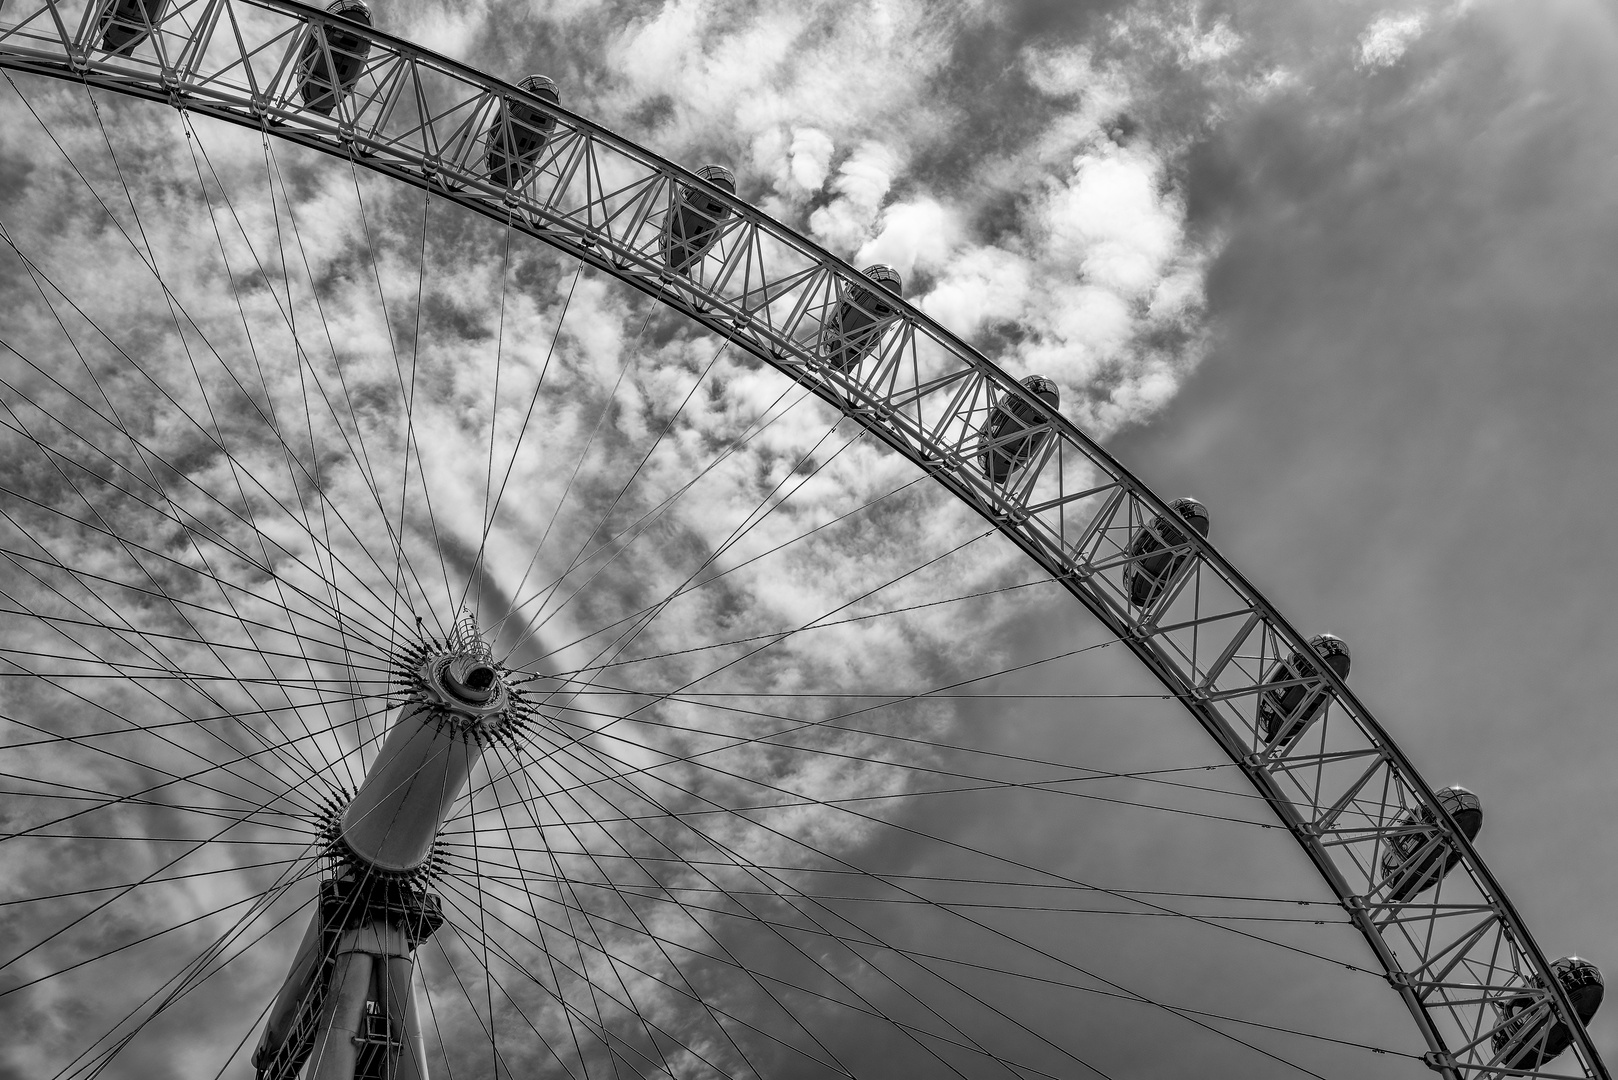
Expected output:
(797, 161)
(809, 158)
(910, 235)
(1211, 45)
(981, 287)
(1082, 328)
(452, 28)
(1101, 276)
(715, 75)
(1178, 294)
(862, 183)
(1385, 41)
(656, 54)
(1111, 222)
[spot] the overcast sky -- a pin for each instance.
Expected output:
(1340, 269)
(1405, 423)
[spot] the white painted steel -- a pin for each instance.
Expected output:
(421, 771)
(408, 793)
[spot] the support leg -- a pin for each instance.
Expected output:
(300, 983)
(336, 1055)
(399, 999)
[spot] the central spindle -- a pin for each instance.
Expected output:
(348, 1005)
(425, 762)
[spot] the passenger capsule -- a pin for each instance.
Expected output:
(695, 218)
(324, 82)
(1012, 416)
(856, 326)
(1298, 705)
(1529, 1037)
(520, 133)
(1155, 565)
(1417, 859)
(126, 24)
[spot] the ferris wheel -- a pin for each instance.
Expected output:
(396, 689)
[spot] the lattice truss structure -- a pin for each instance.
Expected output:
(1452, 945)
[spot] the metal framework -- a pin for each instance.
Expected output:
(1476, 984)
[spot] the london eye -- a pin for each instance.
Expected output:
(485, 599)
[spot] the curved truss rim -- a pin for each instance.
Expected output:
(284, 118)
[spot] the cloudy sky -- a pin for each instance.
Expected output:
(1334, 267)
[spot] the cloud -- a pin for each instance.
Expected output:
(1060, 72)
(811, 153)
(725, 75)
(862, 183)
(1385, 41)
(453, 28)
(982, 287)
(1111, 223)
(1180, 27)
(912, 235)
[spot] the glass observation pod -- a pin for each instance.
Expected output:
(520, 132)
(1530, 1033)
(1014, 431)
(695, 219)
(1284, 714)
(332, 58)
(1418, 856)
(1155, 564)
(127, 23)
(856, 326)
